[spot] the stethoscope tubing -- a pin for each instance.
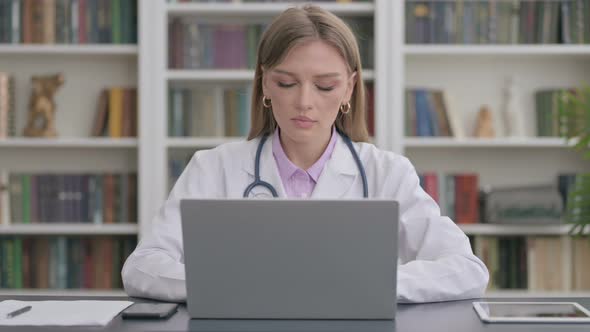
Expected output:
(273, 191)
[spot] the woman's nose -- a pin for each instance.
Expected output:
(305, 96)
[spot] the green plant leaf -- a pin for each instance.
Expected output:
(574, 125)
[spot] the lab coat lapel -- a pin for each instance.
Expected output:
(268, 170)
(338, 175)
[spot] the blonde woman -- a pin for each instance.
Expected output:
(308, 127)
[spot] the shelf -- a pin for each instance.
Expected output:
(450, 142)
(207, 142)
(200, 142)
(523, 293)
(69, 229)
(64, 49)
(498, 50)
(210, 75)
(214, 75)
(499, 229)
(262, 9)
(68, 142)
(62, 292)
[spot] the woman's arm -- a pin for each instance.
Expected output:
(156, 268)
(437, 263)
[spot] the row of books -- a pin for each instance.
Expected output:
(549, 120)
(461, 199)
(456, 194)
(427, 114)
(68, 21)
(536, 263)
(501, 22)
(63, 263)
(7, 105)
(68, 198)
(116, 113)
(213, 111)
(197, 45)
(208, 111)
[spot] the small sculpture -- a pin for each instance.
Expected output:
(485, 124)
(512, 110)
(41, 118)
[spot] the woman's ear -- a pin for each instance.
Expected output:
(350, 86)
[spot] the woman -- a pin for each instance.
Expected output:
(309, 101)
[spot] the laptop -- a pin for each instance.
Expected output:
(290, 259)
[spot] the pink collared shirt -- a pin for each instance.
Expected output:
(297, 182)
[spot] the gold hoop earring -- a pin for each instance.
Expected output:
(345, 108)
(266, 102)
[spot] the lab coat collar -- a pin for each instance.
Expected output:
(339, 173)
(335, 180)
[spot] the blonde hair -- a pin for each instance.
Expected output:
(293, 27)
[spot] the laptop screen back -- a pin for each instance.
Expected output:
(289, 259)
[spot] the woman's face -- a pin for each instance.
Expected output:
(306, 90)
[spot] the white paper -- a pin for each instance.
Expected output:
(62, 313)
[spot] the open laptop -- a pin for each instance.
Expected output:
(290, 259)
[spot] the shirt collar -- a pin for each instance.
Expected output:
(287, 168)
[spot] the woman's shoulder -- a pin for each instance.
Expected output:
(368, 152)
(225, 150)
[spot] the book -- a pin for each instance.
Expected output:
(7, 105)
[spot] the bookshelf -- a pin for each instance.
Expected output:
(68, 229)
(216, 12)
(78, 50)
(563, 51)
(447, 142)
(88, 65)
(62, 292)
(491, 229)
(264, 9)
(225, 75)
(69, 142)
(473, 75)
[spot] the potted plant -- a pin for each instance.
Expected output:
(574, 125)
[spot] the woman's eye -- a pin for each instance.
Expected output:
(325, 88)
(286, 85)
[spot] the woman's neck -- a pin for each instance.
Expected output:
(304, 155)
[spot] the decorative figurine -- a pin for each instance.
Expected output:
(41, 117)
(485, 125)
(512, 110)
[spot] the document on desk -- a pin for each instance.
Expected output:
(61, 313)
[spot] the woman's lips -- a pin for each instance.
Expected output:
(303, 122)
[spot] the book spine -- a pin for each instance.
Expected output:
(4, 98)
(82, 22)
(115, 117)
(48, 24)
(16, 22)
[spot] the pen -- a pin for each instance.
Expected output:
(18, 312)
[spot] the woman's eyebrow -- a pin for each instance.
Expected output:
(280, 71)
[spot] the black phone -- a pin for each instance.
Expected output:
(149, 310)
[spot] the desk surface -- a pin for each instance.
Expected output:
(457, 316)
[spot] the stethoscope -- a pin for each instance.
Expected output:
(258, 182)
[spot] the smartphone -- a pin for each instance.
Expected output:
(150, 310)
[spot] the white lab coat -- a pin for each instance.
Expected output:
(435, 259)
